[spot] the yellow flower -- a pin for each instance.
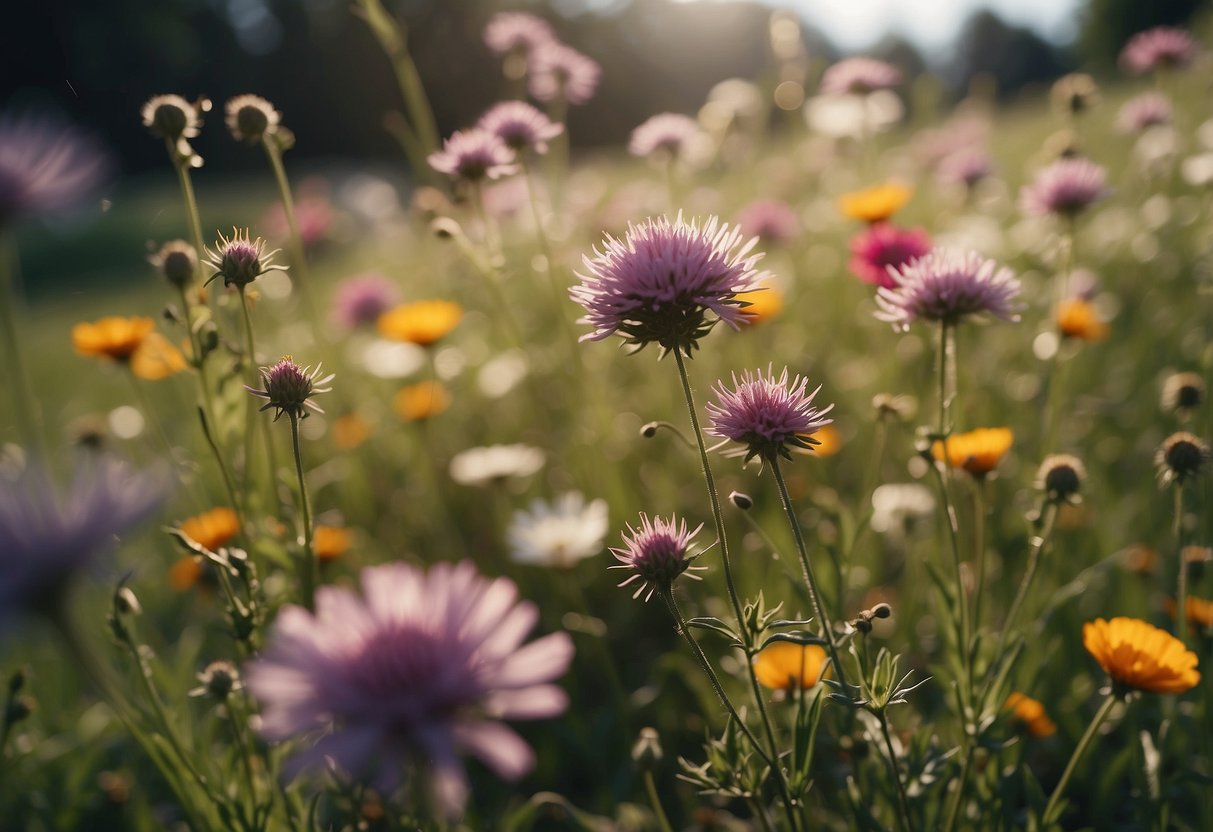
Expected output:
(1140, 655)
(782, 665)
(875, 204)
(113, 337)
(350, 431)
(1031, 714)
(157, 358)
(830, 442)
(423, 322)
(330, 542)
(213, 528)
(418, 402)
(764, 303)
(978, 451)
(1198, 612)
(185, 573)
(1076, 318)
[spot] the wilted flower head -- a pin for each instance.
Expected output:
(508, 32)
(875, 204)
(965, 167)
(1031, 714)
(1074, 94)
(1182, 455)
(177, 261)
(249, 118)
(45, 166)
(1163, 47)
(361, 299)
(883, 246)
(171, 117)
(1064, 188)
(859, 76)
(948, 286)
(558, 71)
(767, 414)
(289, 388)
(473, 155)
(785, 665)
(520, 126)
(1140, 656)
(659, 283)
(240, 260)
(1183, 393)
(495, 464)
(977, 451)
(559, 533)
(655, 554)
(770, 220)
(48, 535)
(1061, 477)
(668, 134)
(421, 666)
(1140, 113)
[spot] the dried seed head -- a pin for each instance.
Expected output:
(1181, 456)
(1061, 477)
(177, 262)
(1182, 393)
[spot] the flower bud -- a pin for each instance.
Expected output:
(646, 752)
(177, 262)
(743, 501)
(1061, 477)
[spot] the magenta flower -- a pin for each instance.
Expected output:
(1140, 113)
(771, 220)
(667, 133)
(965, 167)
(859, 76)
(767, 414)
(360, 300)
(289, 388)
(473, 155)
(656, 554)
(515, 32)
(883, 246)
(520, 126)
(418, 669)
(1064, 188)
(661, 281)
(1163, 47)
(948, 286)
(558, 71)
(45, 167)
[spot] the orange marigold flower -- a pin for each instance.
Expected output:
(213, 528)
(185, 573)
(1031, 714)
(113, 337)
(783, 665)
(157, 358)
(875, 204)
(423, 322)
(764, 302)
(421, 401)
(350, 431)
(1077, 318)
(1141, 656)
(330, 542)
(978, 451)
(829, 442)
(1198, 612)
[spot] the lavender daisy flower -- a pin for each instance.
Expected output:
(45, 167)
(473, 155)
(667, 133)
(418, 669)
(661, 281)
(47, 536)
(859, 76)
(360, 300)
(289, 388)
(558, 71)
(1163, 47)
(520, 126)
(1064, 188)
(655, 554)
(948, 286)
(516, 32)
(559, 533)
(767, 414)
(1140, 113)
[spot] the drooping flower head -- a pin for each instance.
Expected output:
(1163, 47)
(558, 71)
(875, 204)
(422, 322)
(977, 451)
(289, 388)
(516, 32)
(240, 260)
(1140, 656)
(1064, 188)
(171, 117)
(659, 283)
(421, 666)
(177, 261)
(1140, 113)
(559, 533)
(520, 126)
(785, 665)
(767, 414)
(655, 554)
(948, 286)
(1181, 456)
(668, 134)
(249, 118)
(45, 167)
(473, 156)
(1029, 713)
(883, 246)
(361, 299)
(770, 220)
(859, 76)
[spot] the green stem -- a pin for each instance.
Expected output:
(663, 822)
(903, 803)
(191, 201)
(1181, 594)
(24, 403)
(1038, 544)
(307, 566)
(979, 546)
(1052, 809)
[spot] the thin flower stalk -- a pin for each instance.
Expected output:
(650, 788)
(1181, 590)
(251, 416)
(1052, 808)
(308, 567)
(979, 546)
(903, 802)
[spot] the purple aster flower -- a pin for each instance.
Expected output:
(948, 286)
(515, 32)
(1163, 47)
(418, 669)
(1064, 188)
(659, 283)
(770, 220)
(289, 388)
(559, 71)
(655, 554)
(666, 133)
(45, 167)
(240, 260)
(882, 247)
(1144, 111)
(472, 155)
(47, 536)
(965, 167)
(767, 414)
(859, 76)
(360, 300)
(520, 126)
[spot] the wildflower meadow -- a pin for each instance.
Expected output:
(828, 456)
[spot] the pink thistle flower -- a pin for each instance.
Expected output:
(520, 126)
(767, 414)
(289, 388)
(360, 300)
(240, 260)
(473, 155)
(659, 283)
(1140, 113)
(655, 554)
(419, 668)
(882, 247)
(45, 166)
(948, 286)
(1064, 188)
(667, 133)
(859, 76)
(771, 220)
(559, 71)
(513, 32)
(1163, 47)
(965, 167)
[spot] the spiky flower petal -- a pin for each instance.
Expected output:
(767, 414)
(289, 388)
(948, 286)
(655, 554)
